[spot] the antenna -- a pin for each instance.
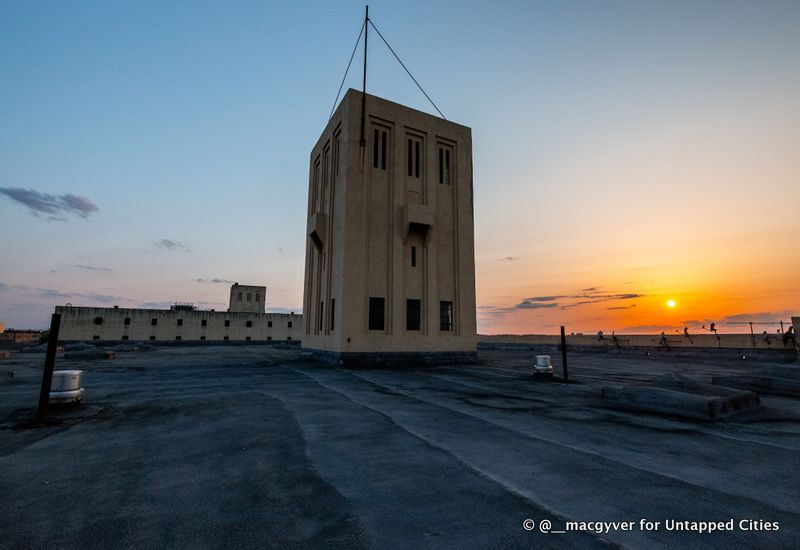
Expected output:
(363, 141)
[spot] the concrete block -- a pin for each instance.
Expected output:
(760, 383)
(676, 395)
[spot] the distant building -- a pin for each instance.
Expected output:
(390, 268)
(248, 299)
(20, 336)
(182, 322)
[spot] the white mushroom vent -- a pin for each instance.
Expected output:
(66, 386)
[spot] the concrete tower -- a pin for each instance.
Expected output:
(390, 266)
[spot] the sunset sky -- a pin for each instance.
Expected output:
(625, 153)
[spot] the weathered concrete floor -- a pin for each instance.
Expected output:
(253, 446)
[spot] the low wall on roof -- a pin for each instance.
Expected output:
(623, 341)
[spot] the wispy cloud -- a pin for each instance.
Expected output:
(169, 244)
(92, 268)
(54, 207)
(509, 259)
(585, 296)
(214, 280)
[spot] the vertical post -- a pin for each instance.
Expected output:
(752, 334)
(564, 355)
(781, 327)
(49, 364)
(363, 141)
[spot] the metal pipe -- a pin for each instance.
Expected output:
(564, 355)
(49, 365)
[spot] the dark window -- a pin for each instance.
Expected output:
(321, 318)
(124, 336)
(96, 337)
(376, 313)
(288, 337)
(152, 337)
(375, 145)
(249, 324)
(383, 150)
(177, 337)
(180, 322)
(413, 256)
(416, 159)
(98, 320)
(227, 322)
(248, 296)
(290, 324)
(202, 337)
(410, 157)
(444, 165)
(446, 316)
(269, 337)
(269, 324)
(246, 337)
(204, 322)
(258, 296)
(127, 321)
(333, 309)
(153, 322)
(226, 338)
(240, 297)
(379, 149)
(413, 314)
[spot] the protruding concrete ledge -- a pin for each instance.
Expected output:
(317, 225)
(417, 216)
(777, 380)
(394, 360)
(676, 395)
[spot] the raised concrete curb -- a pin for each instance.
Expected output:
(676, 395)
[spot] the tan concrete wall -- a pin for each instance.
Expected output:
(247, 299)
(359, 243)
(78, 323)
(730, 341)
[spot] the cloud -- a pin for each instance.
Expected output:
(509, 259)
(543, 298)
(525, 304)
(280, 249)
(169, 244)
(55, 207)
(622, 307)
(214, 280)
(92, 268)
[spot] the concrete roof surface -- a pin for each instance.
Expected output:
(257, 446)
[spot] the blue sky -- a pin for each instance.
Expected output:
(188, 126)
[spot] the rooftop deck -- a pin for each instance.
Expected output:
(247, 446)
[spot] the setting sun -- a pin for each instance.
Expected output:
(671, 303)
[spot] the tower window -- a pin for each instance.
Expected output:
(153, 322)
(98, 320)
(269, 324)
(413, 314)
(227, 322)
(414, 158)
(333, 309)
(446, 316)
(204, 323)
(321, 318)
(240, 297)
(290, 324)
(180, 322)
(177, 337)
(202, 337)
(258, 296)
(379, 149)
(248, 296)
(124, 336)
(376, 313)
(249, 324)
(127, 321)
(444, 165)
(413, 256)
(152, 337)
